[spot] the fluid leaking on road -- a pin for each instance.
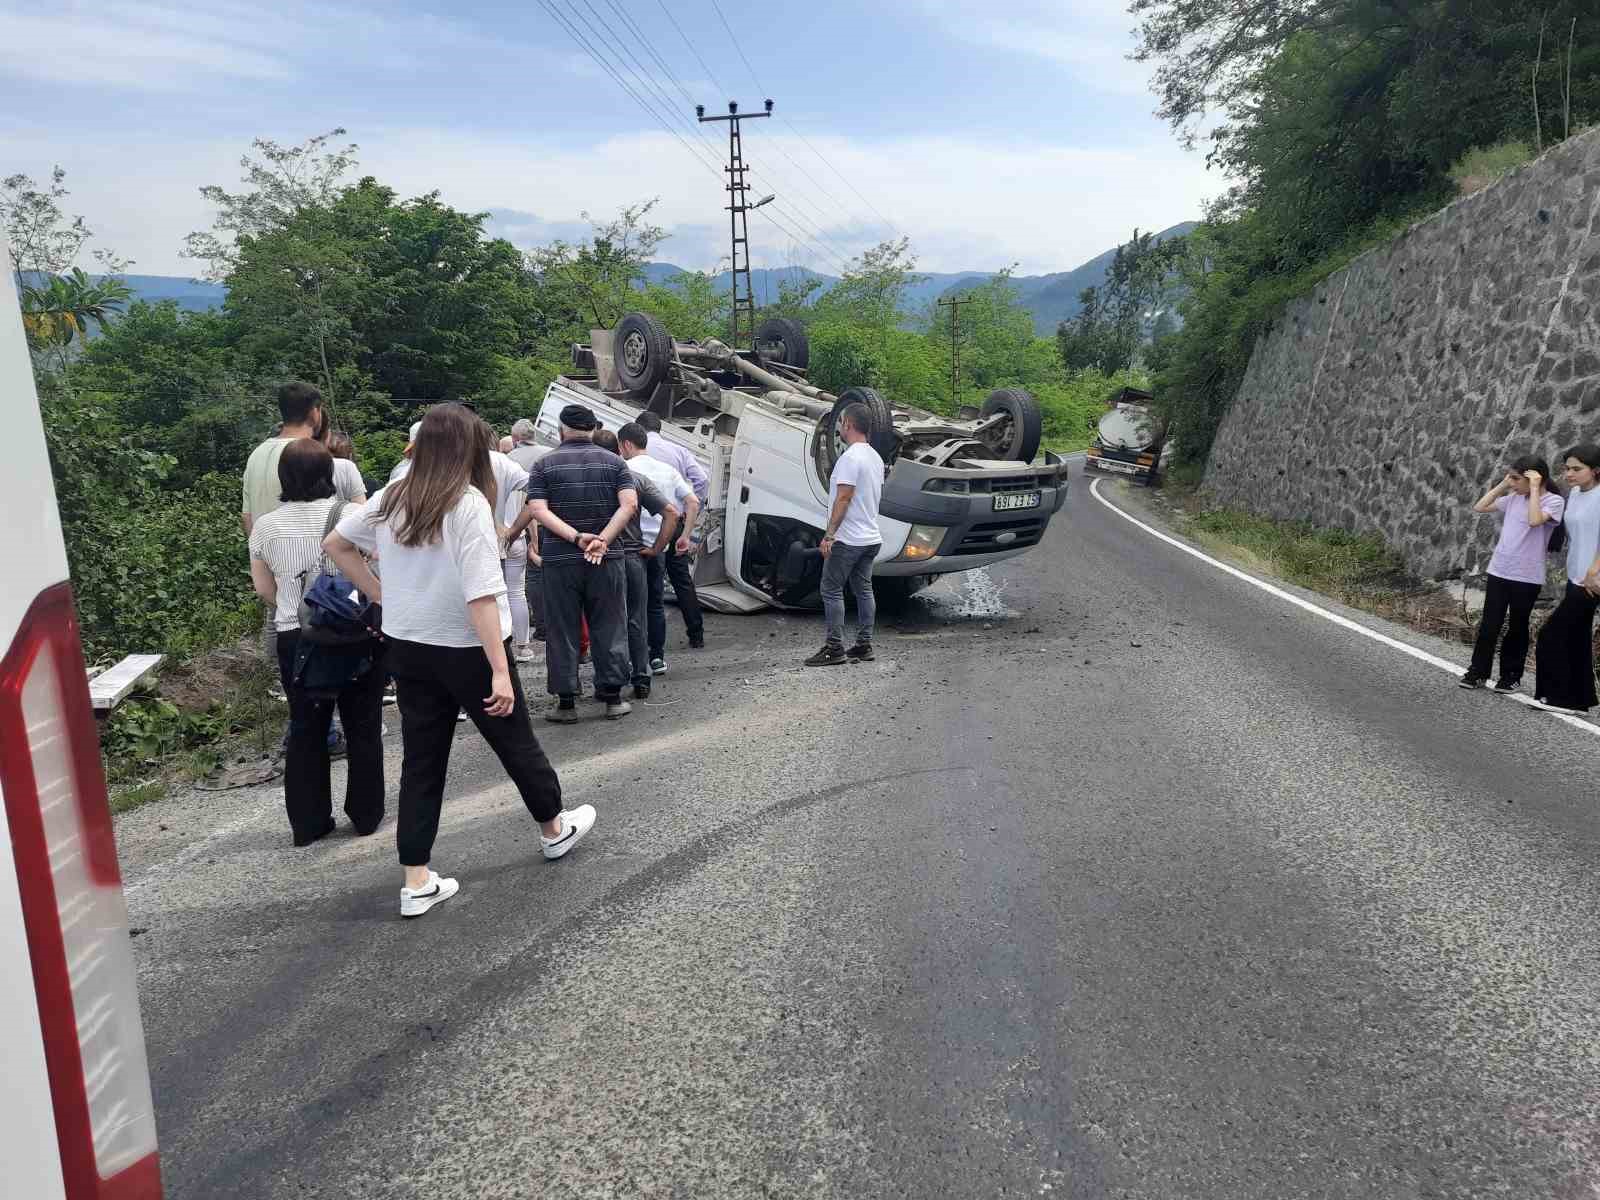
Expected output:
(1128, 882)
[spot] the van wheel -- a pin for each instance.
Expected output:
(827, 444)
(642, 349)
(782, 340)
(1019, 436)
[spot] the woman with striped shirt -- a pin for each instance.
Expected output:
(285, 555)
(448, 629)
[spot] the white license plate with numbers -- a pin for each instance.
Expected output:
(1013, 500)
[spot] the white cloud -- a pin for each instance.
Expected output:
(125, 48)
(131, 44)
(1091, 38)
(966, 204)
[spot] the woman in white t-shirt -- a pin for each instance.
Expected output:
(1564, 657)
(285, 556)
(447, 625)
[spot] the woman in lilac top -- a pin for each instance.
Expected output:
(1530, 510)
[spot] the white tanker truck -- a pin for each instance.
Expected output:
(1130, 438)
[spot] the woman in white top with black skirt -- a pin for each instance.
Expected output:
(448, 626)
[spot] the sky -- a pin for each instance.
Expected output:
(1015, 134)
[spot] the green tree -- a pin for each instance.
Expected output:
(380, 298)
(590, 284)
(690, 304)
(872, 291)
(1112, 322)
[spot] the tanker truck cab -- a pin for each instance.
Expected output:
(76, 1118)
(1129, 439)
(959, 493)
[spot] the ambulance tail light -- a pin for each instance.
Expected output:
(74, 911)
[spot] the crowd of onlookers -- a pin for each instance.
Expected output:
(437, 585)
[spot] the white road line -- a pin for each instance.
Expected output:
(1343, 622)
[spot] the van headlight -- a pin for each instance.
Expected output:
(954, 487)
(923, 542)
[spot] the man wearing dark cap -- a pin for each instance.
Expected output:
(583, 498)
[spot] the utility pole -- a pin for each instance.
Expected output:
(743, 316)
(954, 304)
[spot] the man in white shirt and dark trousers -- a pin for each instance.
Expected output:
(851, 542)
(632, 439)
(675, 563)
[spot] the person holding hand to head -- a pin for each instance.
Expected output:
(1564, 656)
(448, 629)
(1530, 512)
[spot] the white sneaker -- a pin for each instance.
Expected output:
(575, 822)
(416, 901)
(523, 653)
(658, 666)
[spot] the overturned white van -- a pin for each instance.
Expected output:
(960, 492)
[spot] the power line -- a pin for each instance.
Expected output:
(652, 51)
(793, 193)
(711, 75)
(892, 227)
(739, 48)
(641, 76)
(732, 37)
(583, 43)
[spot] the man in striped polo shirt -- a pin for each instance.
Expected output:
(583, 498)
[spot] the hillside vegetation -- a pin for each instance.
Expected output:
(1343, 122)
(388, 304)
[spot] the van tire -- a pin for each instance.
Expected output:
(828, 444)
(788, 341)
(642, 350)
(1020, 438)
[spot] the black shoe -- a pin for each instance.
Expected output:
(564, 713)
(1506, 686)
(861, 652)
(641, 689)
(697, 641)
(829, 656)
(1470, 681)
(301, 840)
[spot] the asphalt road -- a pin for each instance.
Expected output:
(1113, 876)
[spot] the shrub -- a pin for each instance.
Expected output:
(1477, 169)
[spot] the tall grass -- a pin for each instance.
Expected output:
(1478, 168)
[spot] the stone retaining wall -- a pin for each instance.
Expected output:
(1386, 400)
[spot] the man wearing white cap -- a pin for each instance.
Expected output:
(404, 465)
(525, 453)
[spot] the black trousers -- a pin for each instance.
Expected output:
(534, 586)
(307, 782)
(671, 566)
(573, 591)
(1503, 597)
(1564, 657)
(433, 683)
(638, 604)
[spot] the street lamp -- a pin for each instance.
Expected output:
(764, 200)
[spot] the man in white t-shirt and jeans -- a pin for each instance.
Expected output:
(851, 542)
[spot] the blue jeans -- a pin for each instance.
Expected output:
(848, 566)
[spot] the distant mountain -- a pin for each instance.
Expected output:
(1054, 298)
(192, 295)
(1050, 298)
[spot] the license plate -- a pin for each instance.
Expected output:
(1111, 464)
(1008, 501)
